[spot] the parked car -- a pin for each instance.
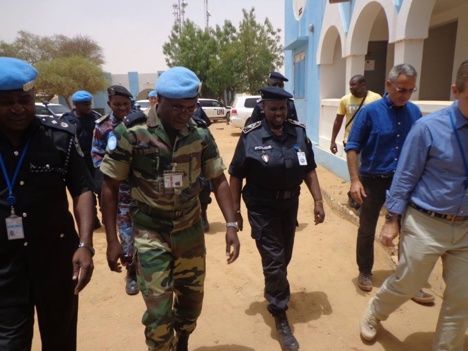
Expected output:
(44, 109)
(242, 108)
(214, 109)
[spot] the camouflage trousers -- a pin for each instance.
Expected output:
(171, 274)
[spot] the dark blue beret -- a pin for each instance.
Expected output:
(82, 96)
(16, 74)
(277, 75)
(274, 93)
(178, 83)
(119, 90)
(152, 93)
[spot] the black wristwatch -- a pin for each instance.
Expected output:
(390, 217)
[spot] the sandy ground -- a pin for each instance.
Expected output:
(325, 305)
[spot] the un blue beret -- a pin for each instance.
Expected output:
(82, 96)
(119, 90)
(178, 83)
(152, 93)
(277, 75)
(274, 93)
(16, 74)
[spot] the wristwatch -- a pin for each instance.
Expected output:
(232, 224)
(390, 217)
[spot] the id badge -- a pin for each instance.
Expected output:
(173, 179)
(302, 158)
(14, 226)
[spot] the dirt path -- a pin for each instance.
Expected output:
(324, 310)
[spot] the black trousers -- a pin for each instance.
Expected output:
(273, 224)
(375, 188)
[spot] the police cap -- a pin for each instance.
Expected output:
(274, 93)
(119, 90)
(16, 74)
(178, 83)
(152, 94)
(277, 75)
(82, 96)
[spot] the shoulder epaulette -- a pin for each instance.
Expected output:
(102, 119)
(297, 123)
(96, 113)
(251, 127)
(57, 123)
(134, 118)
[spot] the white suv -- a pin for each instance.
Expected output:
(214, 109)
(50, 110)
(242, 109)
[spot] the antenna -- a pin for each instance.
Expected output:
(178, 10)
(207, 15)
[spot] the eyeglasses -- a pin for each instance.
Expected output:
(403, 90)
(180, 110)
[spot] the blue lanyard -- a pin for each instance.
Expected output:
(452, 119)
(11, 199)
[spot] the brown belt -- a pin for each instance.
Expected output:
(447, 217)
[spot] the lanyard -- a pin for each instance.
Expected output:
(452, 119)
(11, 199)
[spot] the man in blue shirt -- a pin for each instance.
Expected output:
(379, 131)
(430, 194)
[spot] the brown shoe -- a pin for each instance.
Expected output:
(423, 298)
(364, 282)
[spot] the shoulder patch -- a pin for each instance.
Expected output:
(56, 123)
(297, 123)
(134, 118)
(251, 127)
(102, 119)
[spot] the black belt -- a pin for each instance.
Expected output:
(378, 176)
(451, 218)
(172, 214)
(275, 194)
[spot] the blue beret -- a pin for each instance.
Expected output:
(277, 75)
(119, 90)
(178, 83)
(274, 93)
(82, 96)
(152, 93)
(16, 74)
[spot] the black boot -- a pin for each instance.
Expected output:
(181, 342)
(204, 217)
(287, 340)
(131, 284)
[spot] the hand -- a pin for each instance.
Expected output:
(390, 231)
(333, 147)
(232, 245)
(357, 192)
(114, 254)
(319, 213)
(82, 268)
(240, 220)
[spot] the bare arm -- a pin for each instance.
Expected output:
(82, 259)
(357, 190)
(336, 129)
(236, 187)
(223, 196)
(312, 183)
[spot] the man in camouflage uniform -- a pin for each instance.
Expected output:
(120, 104)
(163, 157)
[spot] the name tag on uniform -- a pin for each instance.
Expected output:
(173, 179)
(14, 226)
(302, 158)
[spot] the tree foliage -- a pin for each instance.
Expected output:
(227, 59)
(64, 64)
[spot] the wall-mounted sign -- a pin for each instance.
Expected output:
(298, 7)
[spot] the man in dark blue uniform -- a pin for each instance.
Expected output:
(44, 264)
(275, 156)
(84, 118)
(275, 79)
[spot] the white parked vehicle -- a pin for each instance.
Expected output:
(44, 109)
(242, 109)
(214, 109)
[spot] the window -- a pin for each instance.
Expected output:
(299, 75)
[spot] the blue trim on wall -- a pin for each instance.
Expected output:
(133, 83)
(333, 163)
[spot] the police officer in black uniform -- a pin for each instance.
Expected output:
(275, 79)
(275, 156)
(44, 264)
(84, 118)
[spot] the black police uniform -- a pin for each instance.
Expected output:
(258, 114)
(37, 270)
(270, 165)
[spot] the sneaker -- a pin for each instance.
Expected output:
(369, 324)
(423, 298)
(286, 338)
(364, 282)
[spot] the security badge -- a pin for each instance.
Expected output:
(14, 226)
(173, 178)
(111, 141)
(301, 157)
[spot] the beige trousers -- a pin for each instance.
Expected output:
(423, 241)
